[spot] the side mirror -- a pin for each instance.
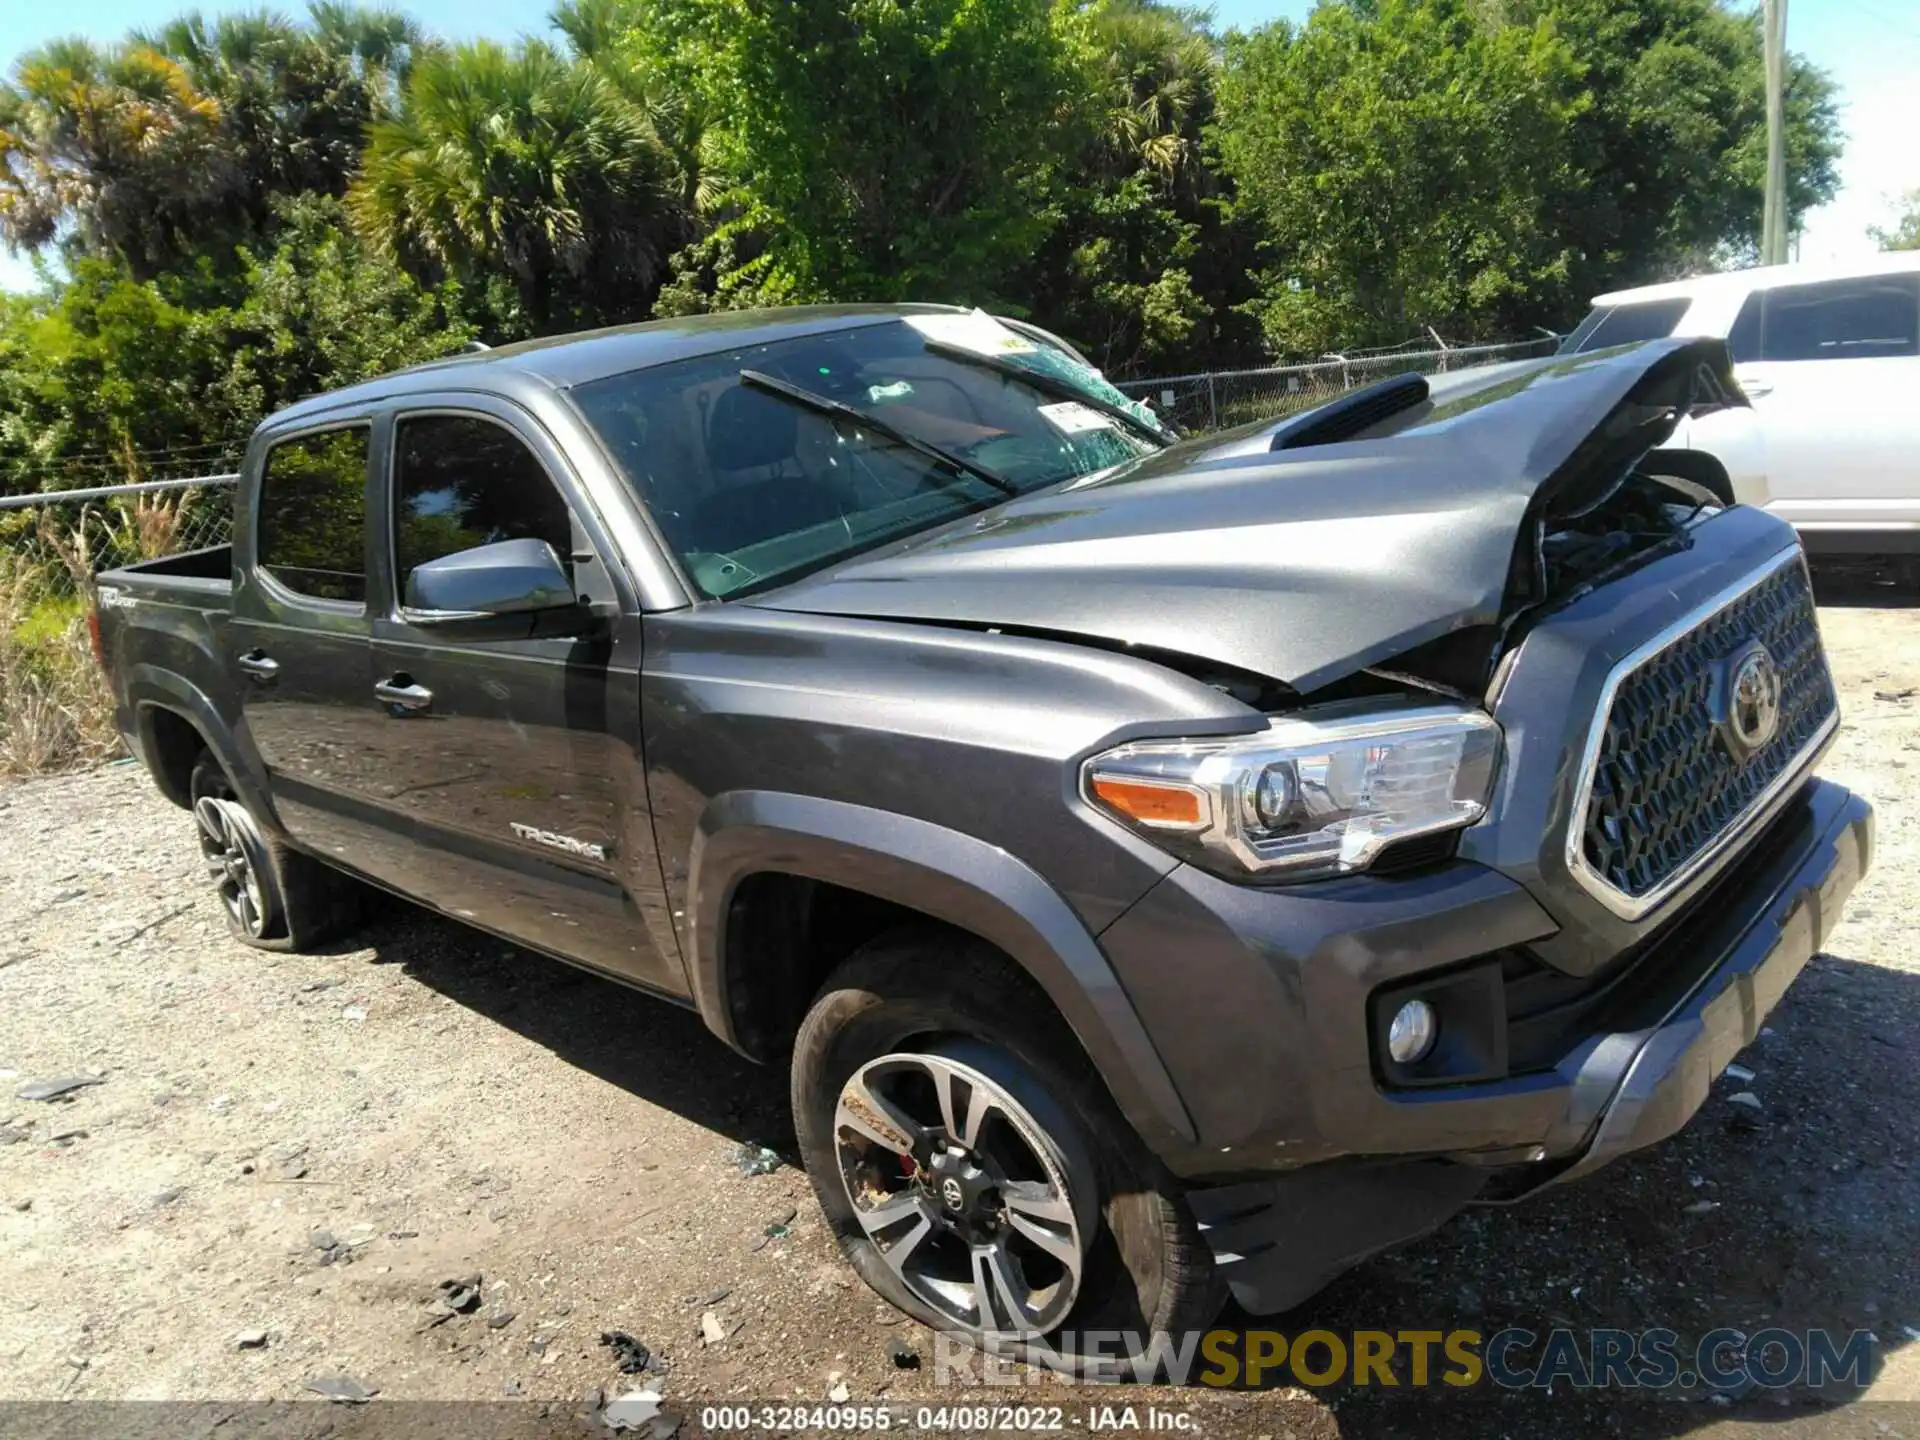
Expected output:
(507, 578)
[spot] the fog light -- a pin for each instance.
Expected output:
(1412, 1033)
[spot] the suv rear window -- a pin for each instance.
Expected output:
(1873, 317)
(1625, 325)
(313, 514)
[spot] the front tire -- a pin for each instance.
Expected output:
(274, 898)
(972, 1164)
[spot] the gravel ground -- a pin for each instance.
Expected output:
(289, 1155)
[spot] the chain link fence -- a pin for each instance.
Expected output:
(62, 539)
(1221, 399)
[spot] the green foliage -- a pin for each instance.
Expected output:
(1905, 231)
(527, 163)
(1481, 165)
(1403, 165)
(175, 146)
(1670, 153)
(1142, 263)
(880, 149)
(119, 368)
(233, 213)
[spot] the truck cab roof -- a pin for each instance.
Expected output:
(563, 361)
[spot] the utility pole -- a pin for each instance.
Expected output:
(1773, 225)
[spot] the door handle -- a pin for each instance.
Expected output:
(403, 695)
(260, 665)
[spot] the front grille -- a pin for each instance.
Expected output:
(1665, 782)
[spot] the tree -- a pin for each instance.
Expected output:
(112, 150)
(1491, 164)
(1670, 151)
(173, 146)
(1905, 233)
(872, 149)
(295, 100)
(1403, 161)
(527, 163)
(98, 380)
(1142, 262)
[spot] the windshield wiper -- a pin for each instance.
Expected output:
(854, 415)
(1060, 389)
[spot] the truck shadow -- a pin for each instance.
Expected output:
(651, 1048)
(1798, 1216)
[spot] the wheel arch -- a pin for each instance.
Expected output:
(923, 871)
(168, 710)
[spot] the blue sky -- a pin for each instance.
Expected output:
(1872, 47)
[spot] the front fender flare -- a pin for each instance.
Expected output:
(952, 877)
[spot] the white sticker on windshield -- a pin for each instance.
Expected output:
(1070, 417)
(976, 331)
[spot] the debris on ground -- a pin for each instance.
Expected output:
(1702, 1207)
(1893, 694)
(711, 1330)
(628, 1353)
(342, 1389)
(632, 1410)
(1738, 1072)
(63, 1087)
(462, 1296)
(902, 1354)
(13, 1135)
(1747, 1098)
(751, 1158)
(250, 1340)
(838, 1392)
(326, 1248)
(500, 1319)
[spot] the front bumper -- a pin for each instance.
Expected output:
(1384, 1165)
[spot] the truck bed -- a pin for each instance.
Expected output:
(189, 577)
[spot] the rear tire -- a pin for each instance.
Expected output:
(274, 898)
(1052, 1206)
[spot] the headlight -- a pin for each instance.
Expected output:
(1318, 793)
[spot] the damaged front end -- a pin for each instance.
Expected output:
(1413, 551)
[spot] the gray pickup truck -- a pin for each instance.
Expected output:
(1168, 866)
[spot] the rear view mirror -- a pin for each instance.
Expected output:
(509, 577)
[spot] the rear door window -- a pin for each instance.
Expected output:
(1625, 325)
(461, 481)
(1873, 317)
(311, 532)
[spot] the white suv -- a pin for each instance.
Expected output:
(1830, 357)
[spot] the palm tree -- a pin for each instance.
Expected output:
(107, 150)
(602, 34)
(296, 100)
(525, 162)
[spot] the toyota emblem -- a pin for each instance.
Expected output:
(1753, 700)
(952, 1193)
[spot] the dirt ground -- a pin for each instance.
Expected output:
(306, 1148)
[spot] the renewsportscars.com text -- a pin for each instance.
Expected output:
(1513, 1359)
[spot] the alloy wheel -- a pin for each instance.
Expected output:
(963, 1194)
(229, 855)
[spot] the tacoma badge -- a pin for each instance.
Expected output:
(555, 841)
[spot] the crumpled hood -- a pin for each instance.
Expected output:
(1303, 565)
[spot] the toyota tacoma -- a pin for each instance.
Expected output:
(1167, 866)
